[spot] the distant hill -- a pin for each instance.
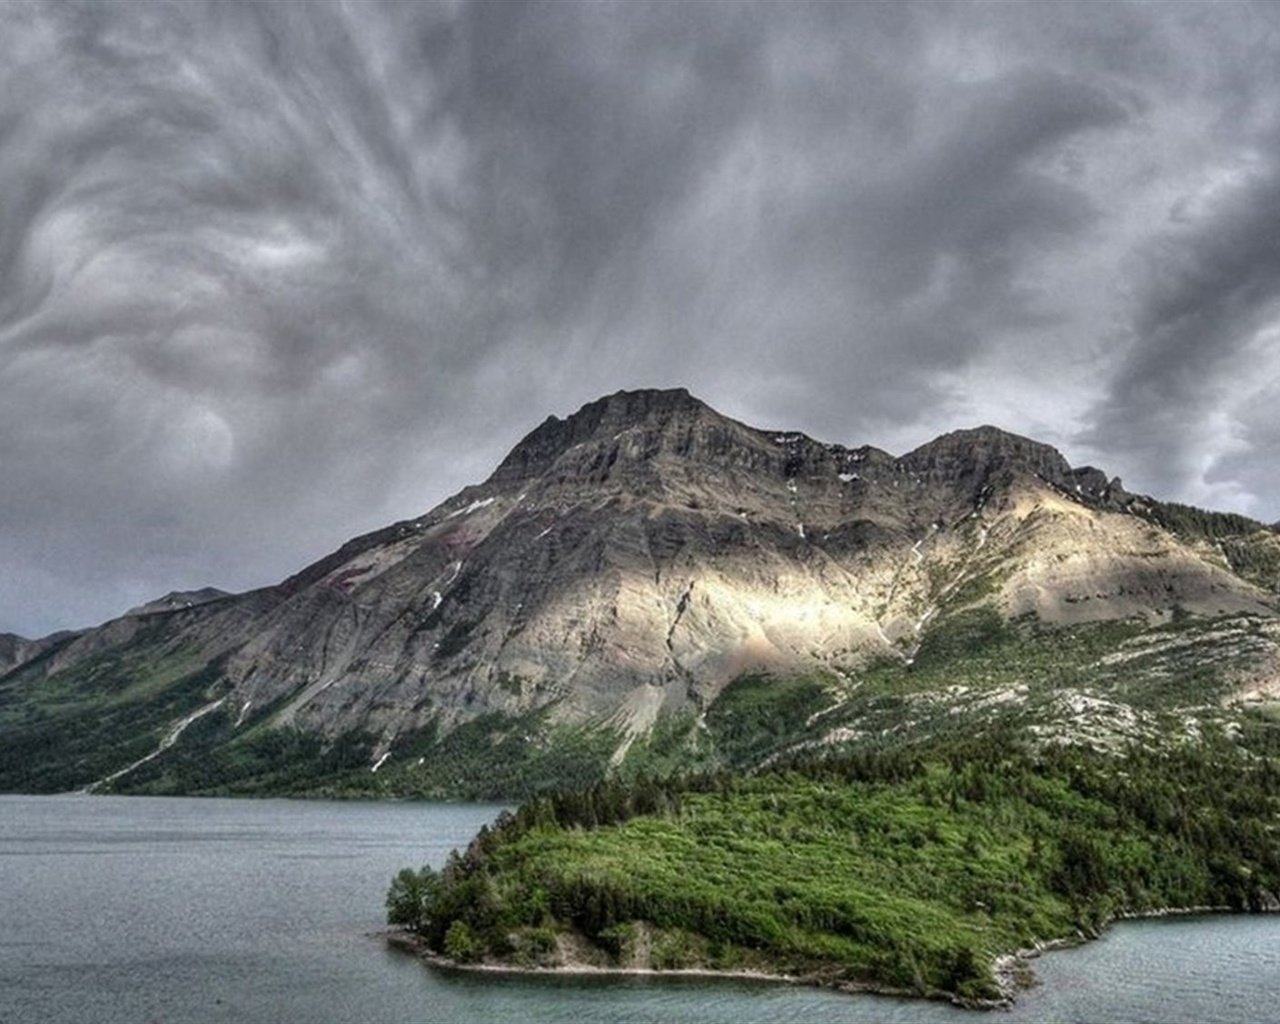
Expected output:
(13, 650)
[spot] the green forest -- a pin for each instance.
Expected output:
(908, 870)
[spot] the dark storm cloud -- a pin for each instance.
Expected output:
(1189, 404)
(272, 273)
(774, 192)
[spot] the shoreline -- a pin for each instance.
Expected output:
(1012, 972)
(409, 942)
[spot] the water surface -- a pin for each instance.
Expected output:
(141, 909)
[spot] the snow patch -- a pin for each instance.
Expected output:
(474, 506)
(378, 764)
(846, 478)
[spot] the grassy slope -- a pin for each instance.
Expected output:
(69, 729)
(489, 758)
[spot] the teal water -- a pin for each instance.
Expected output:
(138, 909)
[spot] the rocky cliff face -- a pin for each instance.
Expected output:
(626, 564)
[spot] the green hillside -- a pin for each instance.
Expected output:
(908, 871)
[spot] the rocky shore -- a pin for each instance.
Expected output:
(411, 943)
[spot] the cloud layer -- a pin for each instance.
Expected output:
(272, 274)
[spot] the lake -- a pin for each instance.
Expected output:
(175, 910)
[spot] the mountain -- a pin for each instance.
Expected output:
(647, 585)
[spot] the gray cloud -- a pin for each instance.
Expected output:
(1187, 407)
(1204, 326)
(272, 273)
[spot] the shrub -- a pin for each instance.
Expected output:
(461, 944)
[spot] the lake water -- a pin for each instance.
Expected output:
(172, 910)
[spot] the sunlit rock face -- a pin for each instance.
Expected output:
(633, 559)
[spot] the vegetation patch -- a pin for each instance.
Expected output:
(753, 715)
(211, 761)
(495, 757)
(676, 744)
(74, 730)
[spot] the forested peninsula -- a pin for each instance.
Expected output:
(916, 871)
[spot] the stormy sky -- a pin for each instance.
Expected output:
(275, 274)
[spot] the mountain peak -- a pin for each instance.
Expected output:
(643, 402)
(602, 419)
(625, 409)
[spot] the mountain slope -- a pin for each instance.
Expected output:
(616, 585)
